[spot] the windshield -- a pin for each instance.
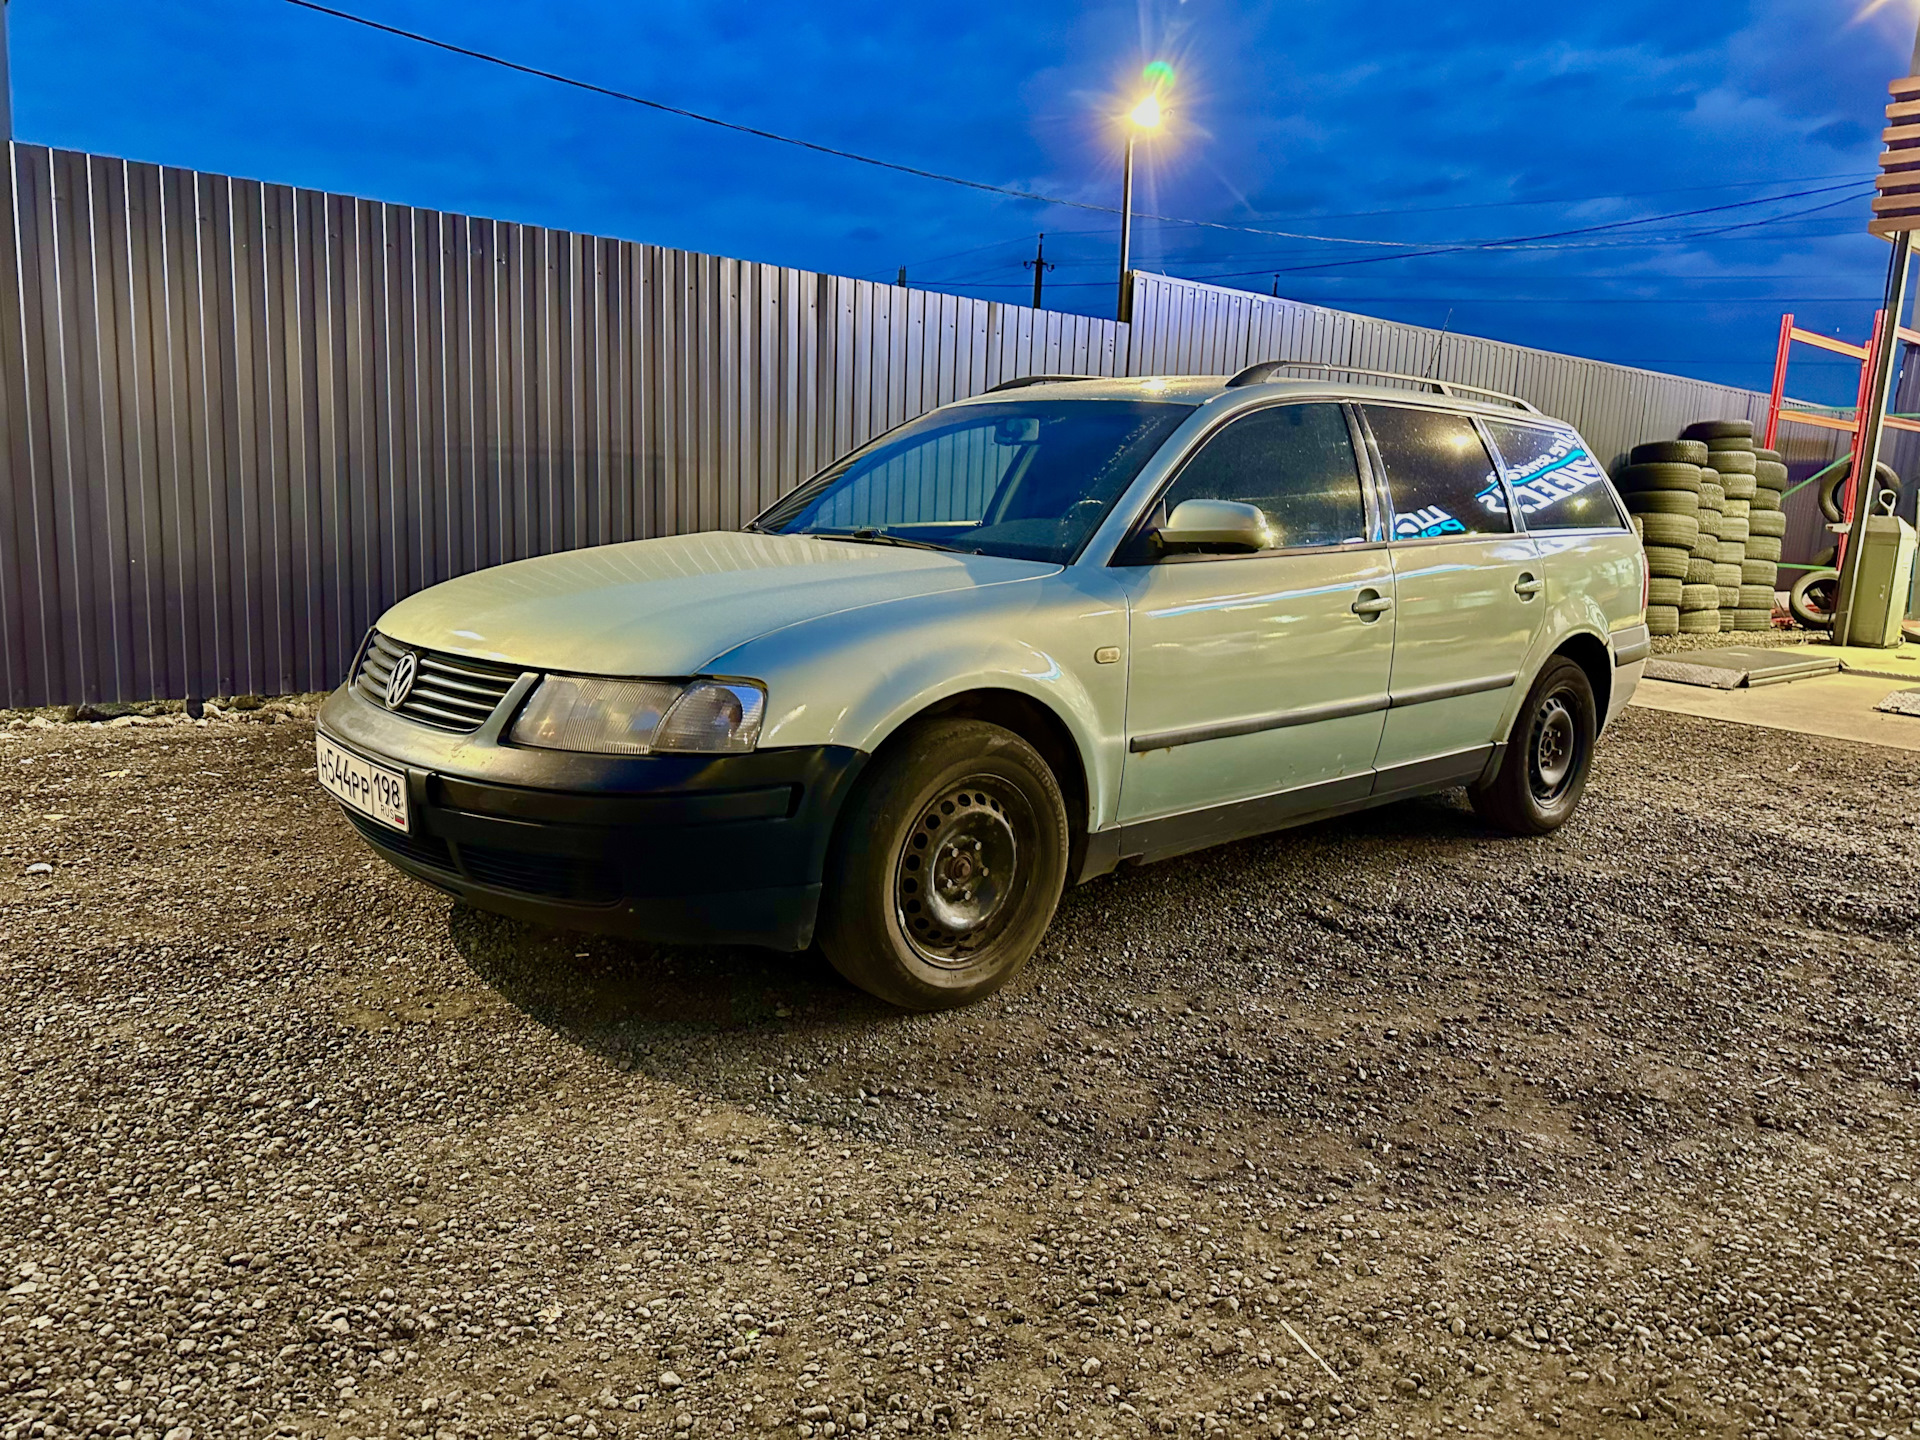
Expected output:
(1027, 479)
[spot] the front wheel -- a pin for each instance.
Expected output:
(948, 865)
(1549, 754)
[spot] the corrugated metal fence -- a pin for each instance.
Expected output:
(237, 419)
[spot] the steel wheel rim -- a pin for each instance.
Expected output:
(961, 870)
(1556, 748)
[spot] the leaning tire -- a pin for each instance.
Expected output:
(1549, 753)
(947, 867)
(1835, 485)
(1812, 598)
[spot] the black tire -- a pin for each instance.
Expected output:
(1772, 457)
(1884, 475)
(1812, 598)
(1549, 754)
(1663, 619)
(1700, 622)
(1668, 560)
(1663, 502)
(1678, 531)
(1767, 522)
(1666, 475)
(1719, 430)
(978, 802)
(1829, 555)
(1769, 475)
(1669, 452)
(1734, 462)
(1764, 547)
(1664, 589)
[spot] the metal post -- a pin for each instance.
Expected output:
(1781, 357)
(6, 86)
(1873, 414)
(1125, 310)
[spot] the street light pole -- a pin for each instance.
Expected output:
(1144, 116)
(6, 89)
(1125, 311)
(1873, 421)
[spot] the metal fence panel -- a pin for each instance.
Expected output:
(239, 419)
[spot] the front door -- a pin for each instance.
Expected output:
(1251, 674)
(1468, 591)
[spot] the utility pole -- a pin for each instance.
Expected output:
(1894, 212)
(1039, 264)
(902, 281)
(6, 88)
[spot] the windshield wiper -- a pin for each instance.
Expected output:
(869, 536)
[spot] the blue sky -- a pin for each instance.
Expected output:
(1385, 121)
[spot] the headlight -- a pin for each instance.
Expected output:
(641, 717)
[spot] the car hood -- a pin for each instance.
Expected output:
(667, 607)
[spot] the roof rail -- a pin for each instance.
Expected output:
(1269, 370)
(1035, 380)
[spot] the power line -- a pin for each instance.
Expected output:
(981, 185)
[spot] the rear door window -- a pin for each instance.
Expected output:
(1439, 473)
(1556, 483)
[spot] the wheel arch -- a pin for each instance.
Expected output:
(1591, 654)
(1034, 721)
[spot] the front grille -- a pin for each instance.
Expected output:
(421, 849)
(554, 877)
(451, 692)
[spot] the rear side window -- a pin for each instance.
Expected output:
(1295, 462)
(1556, 484)
(1439, 473)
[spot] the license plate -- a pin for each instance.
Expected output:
(375, 791)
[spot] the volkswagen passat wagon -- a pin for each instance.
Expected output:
(1061, 627)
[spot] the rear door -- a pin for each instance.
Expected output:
(1256, 674)
(1469, 592)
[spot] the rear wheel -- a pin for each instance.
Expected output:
(949, 863)
(1549, 754)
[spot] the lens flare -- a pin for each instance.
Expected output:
(1146, 114)
(1874, 7)
(1160, 74)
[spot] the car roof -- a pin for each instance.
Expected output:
(1198, 389)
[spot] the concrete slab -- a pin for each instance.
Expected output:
(1839, 706)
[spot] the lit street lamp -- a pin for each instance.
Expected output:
(1144, 116)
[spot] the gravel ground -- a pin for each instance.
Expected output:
(1611, 1132)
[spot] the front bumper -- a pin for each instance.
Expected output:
(675, 848)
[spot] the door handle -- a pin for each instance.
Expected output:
(1528, 586)
(1371, 604)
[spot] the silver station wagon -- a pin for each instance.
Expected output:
(1064, 626)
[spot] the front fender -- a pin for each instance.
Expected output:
(855, 678)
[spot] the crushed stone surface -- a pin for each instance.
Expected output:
(1385, 1126)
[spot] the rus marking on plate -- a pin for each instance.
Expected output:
(400, 683)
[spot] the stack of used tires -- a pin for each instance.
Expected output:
(1742, 577)
(1766, 521)
(1662, 488)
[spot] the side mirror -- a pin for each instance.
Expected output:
(1224, 525)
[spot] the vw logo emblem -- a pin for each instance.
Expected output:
(400, 683)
